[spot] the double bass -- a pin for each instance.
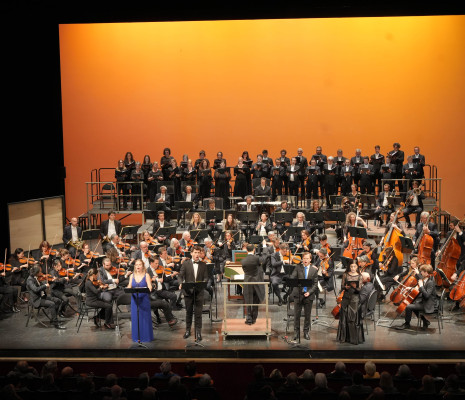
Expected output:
(392, 239)
(424, 243)
(447, 259)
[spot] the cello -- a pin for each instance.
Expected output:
(392, 239)
(424, 243)
(446, 261)
(355, 244)
(457, 292)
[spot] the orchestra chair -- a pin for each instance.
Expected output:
(371, 309)
(123, 300)
(84, 311)
(438, 313)
(33, 312)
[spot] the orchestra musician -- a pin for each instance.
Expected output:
(44, 257)
(161, 223)
(122, 190)
(109, 227)
(377, 160)
(85, 259)
(329, 172)
(137, 186)
(382, 204)
(396, 156)
(264, 225)
(320, 160)
(346, 172)
(278, 273)
(285, 162)
(113, 291)
(165, 162)
(40, 298)
(415, 197)
(193, 271)
(323, 244)
(293, 178)
(241, 171)
(367, 289)
(325, 266)
(317, 223)
(196, 222)
(186, 242)
(305, 244)
(94, 298)
(356, 161)
(154, 176)
(262, 189)
(222, 178)
(72, 236)
(419, 159)
(248, 206)
(225, 250)
(278, 173)
(303, 297)
(429, 228)
(410, 171)
(366, 176)
(302, 162)
(62, 286)
(9, 295)
(213, 224)
(426, 301)
(163, 197)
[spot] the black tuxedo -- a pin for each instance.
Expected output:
(303, 164)
(40, 298)
(68, 236)
(293, 184)
(156, 227)
(252, 207)
(259, 191)
(194, 198)
(330, 182)
(104, 231)
(300, 299)
(420, 160)
(346, 176)
(313, 177)
(253, 294)
(428, 300)
(167, 201)
(187, 275)
(366, 179)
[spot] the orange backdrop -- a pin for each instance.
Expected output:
(249, 85)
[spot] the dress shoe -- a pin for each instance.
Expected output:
(296, 337)
(254, 321)
(198, 337)
(248, 322)
(59, 326)
(426, 323)
(97, 322)
(15, 309)
(280, 302)
(61, 315)
(187, 334)
(306, 336)
(173, 322)
(109, 326)
(405, 325)
(285, 298)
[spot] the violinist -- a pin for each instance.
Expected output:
(388, 172)
(363, 262)
(304, 296)
(95, 298)
(219, 159)
(429, 228)
(159, 283)
(174, 174)
(262, 189)
(397, 158)
(147, 237)
(263, 225)
(329, 171)
(122, 190)
(366, 176)
(39, 297)
(189, 196)
(372, 257)
(210, 281)
(109, 227)
(225, 250)
(325, 266)
(19, 269)
(146, 168)
(137, 186)
(277, 174)
(305, 244)
(365, 292)
(163, 197)
(293, 177)
(72, 236)
(161, 223)
(113, 291)
(382, 204)
(317, 223)
(196, 222)
(86, 258)
(414, 197)
(377, 160)
(187, 242)
(44, 256)
(143, 254)
(62, 286)
(313, 177)
(167, 262)
(204, 179)
(165, 162)
(356, 161)
(278, 273)
(241, 171)
(154, 176)
(346, 177)
(323, 244)
(419, 159)
(222, 178)
(9, 295)
(350, 328)
(175, 250)
(189, 173)
(426, 301)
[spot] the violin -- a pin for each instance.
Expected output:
(120, 260)
(117, 271)
(41, 277)
(5, 267)
(50, 252)
(190, 243)
(99, 284)
(161, 270)
(337, 308)
(123, 246)
(65, 272)
(293, 259)
(92, 254)
(25, 260)
(175, 259)
(72, 263)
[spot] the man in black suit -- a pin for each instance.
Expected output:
(161, 223)
(284, 162)
(304, 296)
(410, 171)
(358, 389)
(415, 203)
(382, 204)
(163, 197)
(292, 173)
(426, 300)
(303, 164)
(40, 298)
(108, 228)
(366, 176)
(278, 260)
(262, 190)
(329, 171)
(71, 234)
(320, 160)
(420, 160)
(365, 292)
(346, 175)
(189, 196)
(253, 294)
(193, 271)
(397, 158)
(248, 206)
(377, 160)
(277, 174)
(356, 161)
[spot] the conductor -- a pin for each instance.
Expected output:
(253, 294)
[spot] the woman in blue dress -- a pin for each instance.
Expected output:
(141, 279)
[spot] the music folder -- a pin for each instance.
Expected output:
(301, 283)
(184, 205)
(217, 215)
(168, 231)
(358, 232)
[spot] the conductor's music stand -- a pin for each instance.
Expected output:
(299, 283)
(197, 287)
(137, 291)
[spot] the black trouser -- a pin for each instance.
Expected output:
(164, 306)
(106, 311)
(307, 305)
(63, 295)
(275, 282)
(136, 195)
(10, 294)
(276, 188)
(168, 295)
(251, 297)
(122, 192)
(382, 210)
(413, 308)
(329, 191)
(365, 185)
(417, 210)
(294, 187)
(312, 187)
(51, 305)
(194, 309)
(302, 186)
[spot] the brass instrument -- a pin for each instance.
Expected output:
(416, 191)
(77, 244)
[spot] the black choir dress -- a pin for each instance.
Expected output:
(240, 187)
(222, 178)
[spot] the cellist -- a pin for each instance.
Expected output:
(429, 228)
(425, 301)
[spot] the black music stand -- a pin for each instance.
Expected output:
(407, 245)
(394, 201)
(249, 218)
(217, 215)
(369, 199)
(137, 291)
(90, 234)
(211, 275)
(256, 239)
(196, 287)
(281, 217)
(295, 231)
(199, 234)
(130, 230)
(337, 216)
(314, 217)
(299, 283)
(184, 206)
(157, 206)
(167, 231)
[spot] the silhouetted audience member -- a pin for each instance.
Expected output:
(377, 394)
(50, 367)
(165, 371)
(48, 384)
(116, 393)
(176, 389)
(460, 370)
(386, 383)
(321, 384)
(67, 372)
(370, 371)
(357, 388)
(307, 375)
(427, 385)
(291, 386)
(343, 395)
(276, 374)
(435, 372)
(255, 387)
(149, 393)
(452, 386)
(339, 372)
(23, 369)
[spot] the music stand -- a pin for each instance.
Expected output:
(337, 216)
(166, 231)
(184, 206)
(407, 245)
(137, 291)
(199, 234)
(314, 217)
(295, 230)
(256, 239)
(369, 199)
(283, 217)
(196, 287)
(211, 275)
(394, 201)
(299, 283)
(156, 206)
(248, 218)
(130, 230)
(217, 215)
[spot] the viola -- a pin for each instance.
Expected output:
(5, 267)
(41, 277)
(99, 284)
(25, 260)
(120, 260)
(72, 263)
(64, 272)
(175, 259)
(50, 252)
(293, 259)
(123, 246)
(117, 271)
(92, 254)
(458, 290)
(161, 270)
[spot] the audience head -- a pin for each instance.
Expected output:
(144, 380)
(67, 372)
(452, 382)
(116, 392)
(205, 380)
(385, 380)
(165, 367)
(320, 380)
(357, 377)
(149, 393)
(174, 381)
(259, 372)
(460, 368)
(404, 371)
(276, 374)
(370, 367)
(340, 367)
(291, 379)
(111, 380)
(377, 394)
(427, 382)
(307, 375)
(190, 368)
(433, 370)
